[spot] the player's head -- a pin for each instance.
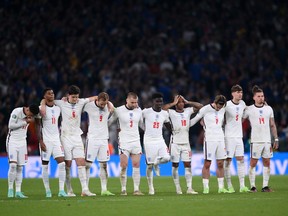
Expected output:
(237, 92)
(102, 100)
(73, 94)
(132, 100)
(258, 95)
(157, 99)
(48, 94)
(33, 110)
(220, 101)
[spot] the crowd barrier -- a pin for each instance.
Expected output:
(279, 166)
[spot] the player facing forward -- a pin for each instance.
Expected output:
(156, 150)
(234, 138)
(71, 110)
(128, 118)
(16, 146)
(214, 145)
(97, 138)
(262, 123)
(50, 142)
(179, 144)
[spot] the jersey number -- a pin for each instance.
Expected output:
(183, 122)
(100, 118)
(73, 114)
(237, 117)
(261, 120)
(156, 124)
(53, 120)
(131, 123)
(216, 120)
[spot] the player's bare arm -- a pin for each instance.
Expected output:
(274, 133)
(194, 104)
(169, 105)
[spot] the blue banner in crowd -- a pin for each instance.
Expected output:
(279, 166)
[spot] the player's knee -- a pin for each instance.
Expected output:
(149, 166)
(19, 168)
(166, 159)
(176, 165)
(103, 165)
(13, 167)
(88, 164)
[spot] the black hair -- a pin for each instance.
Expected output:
(157, 95)
(73, 89)
(47, 89)
(34, 109)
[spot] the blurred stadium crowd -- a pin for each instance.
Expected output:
(195, 48)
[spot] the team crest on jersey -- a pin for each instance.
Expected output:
(254, 154)
(131, 115)
(182, 116)
(237, 109)
(261, 112)
(53, 111)
(14, 116)
(209, 155)
(11, 156)
(89, 156)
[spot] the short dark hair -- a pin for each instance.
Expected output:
(33, 108)
(157, 95)
(103, 96)
(47, 89)
(256, 89)
(236, 88)
(132, 95)
(73, 89)
(220, 99)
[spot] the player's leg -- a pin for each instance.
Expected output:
(163, 154)
(186, 156)
(149, 175)
(12, 154)
(62, 176)
(227, 174)
(220, 155)
(136, 173)
(22, 160)
(239, 155)
(11, 178)
(103, 155)
(123, 172)
(175, 158)
(266, 155)
(45, 178)
(91, 150)
(255, 153)
(206, 175)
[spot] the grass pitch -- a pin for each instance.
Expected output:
(164, 202)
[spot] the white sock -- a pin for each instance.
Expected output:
(45, 177)
(266, 176)
(241, 172)
(188, 177)
(252, 176)
(175, 176)
(87, 168)
(82, 177)
(220, 182)
(68, 180)
(103, 176)
(149, 176)
(123, 178)
(227, 173)
(11, 175)
(62, 175)
(136, 178)
(205, 183)
(19, 176)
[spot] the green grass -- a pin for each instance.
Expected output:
(164, 202)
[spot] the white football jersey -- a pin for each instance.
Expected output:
(128, 123)
(17, 125)
(259, 118)
(98, 121)
(153, 124)
(50, 130)
(180, 123)
(71, 116)
(233, 117)
(213, 122)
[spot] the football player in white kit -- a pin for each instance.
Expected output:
(214, 145)
(262, 123)
(129, 117)
(234, 138)
(97, 138)
(50, 142)
(71, 110)
(155, 147)
(16, 146)
(179, 144)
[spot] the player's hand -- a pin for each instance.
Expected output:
(275, 145)
(43, 146)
